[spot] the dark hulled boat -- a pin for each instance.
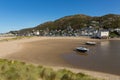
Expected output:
(82, 49)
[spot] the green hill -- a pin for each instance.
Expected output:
(77, 22)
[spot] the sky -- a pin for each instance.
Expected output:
(19, 14)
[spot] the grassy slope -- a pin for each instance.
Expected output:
(15, 70)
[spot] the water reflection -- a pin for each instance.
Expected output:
(81, 53)
(105, 43)
(104, 47)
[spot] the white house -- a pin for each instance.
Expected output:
(37, 33)
(103, 34)
(117, 29)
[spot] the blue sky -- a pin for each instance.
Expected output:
(18, 14)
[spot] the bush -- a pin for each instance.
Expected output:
(63, 75)
(40, 71)
(48, 74)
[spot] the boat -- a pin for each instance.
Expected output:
(82, 49)
(91, 43)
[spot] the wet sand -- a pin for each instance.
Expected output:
(48, 51)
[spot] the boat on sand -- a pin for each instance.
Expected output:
(82, 49)
(90, 43)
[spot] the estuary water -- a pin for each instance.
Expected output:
(104, 57)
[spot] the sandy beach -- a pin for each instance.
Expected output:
(48, 51)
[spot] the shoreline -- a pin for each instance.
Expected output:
(96, 74)
(11, 47)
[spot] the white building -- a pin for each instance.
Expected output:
(103, 34)
(117, 29)
(37, 33)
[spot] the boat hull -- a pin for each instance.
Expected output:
(81, 50)
(90, 43)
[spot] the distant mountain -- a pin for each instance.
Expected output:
(77, 22)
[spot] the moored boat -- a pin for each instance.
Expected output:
(91, 43)
(82, 49)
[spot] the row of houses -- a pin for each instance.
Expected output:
(69, 31)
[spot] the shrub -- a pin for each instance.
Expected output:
(63, 74)
(41, 71)
(48, 74)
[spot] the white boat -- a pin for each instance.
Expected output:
(82, 49)
(91, 43)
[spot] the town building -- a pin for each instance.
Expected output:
(103, 34)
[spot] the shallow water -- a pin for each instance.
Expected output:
(104, 57)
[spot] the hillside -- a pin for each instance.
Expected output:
(77, 22)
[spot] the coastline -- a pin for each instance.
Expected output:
(13, 47)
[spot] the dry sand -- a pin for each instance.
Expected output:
(48, 52)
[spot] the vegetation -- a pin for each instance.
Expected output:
(15, 38)
(77, 22)
(114, 34)
(15, 70)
